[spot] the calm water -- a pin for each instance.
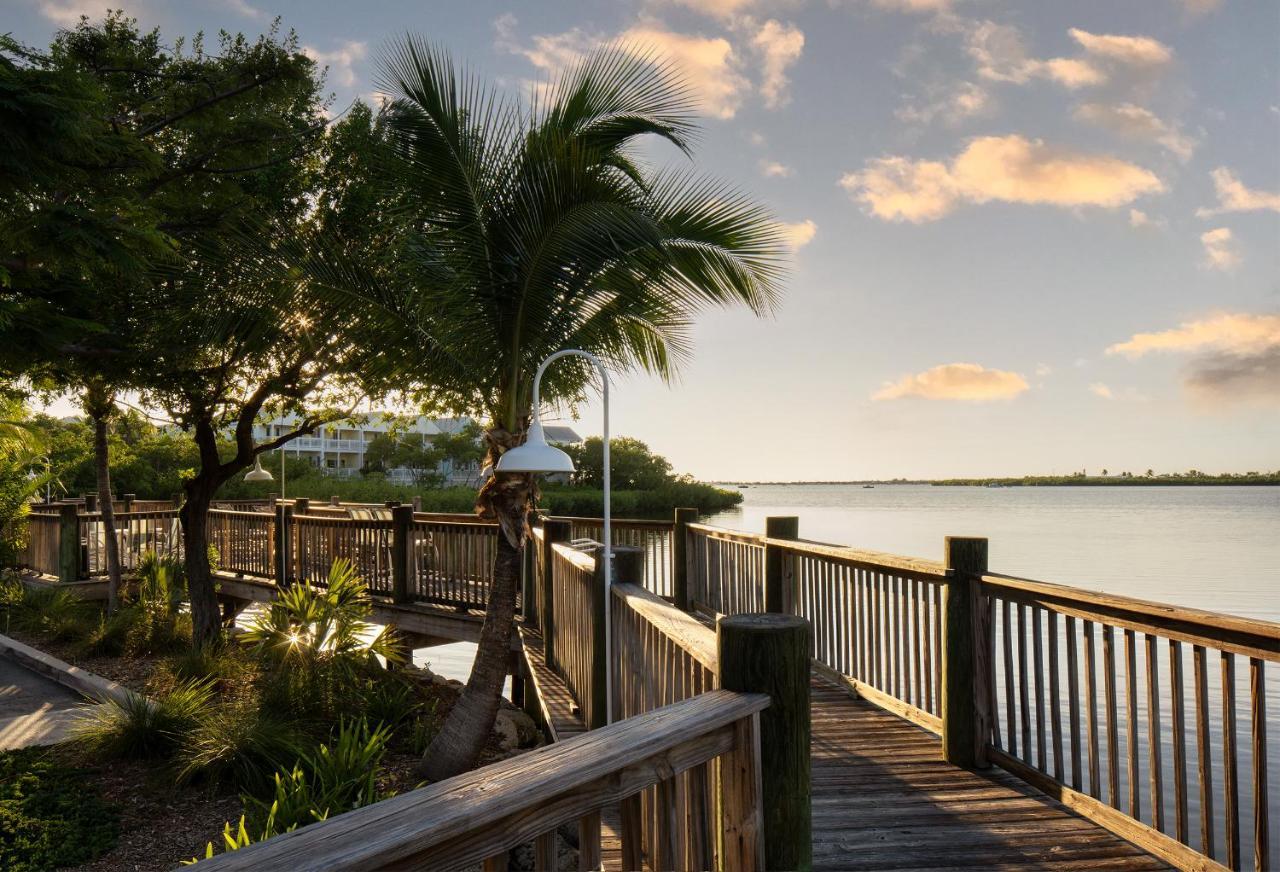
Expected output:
(1214, 548)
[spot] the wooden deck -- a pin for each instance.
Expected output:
(884, 799)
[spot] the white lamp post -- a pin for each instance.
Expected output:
(537, 455)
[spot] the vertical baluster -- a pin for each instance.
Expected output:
(1109, 692)
(1154, 738)
(1073, 702)
(1177, 724)
(1024, 702)
(1037, 675)
(1230, 783)
(1261, 798)
(1131, 722)
(927, 644)
(1055, 701)
(1010, 709)
(1204, 757)
(546, 850)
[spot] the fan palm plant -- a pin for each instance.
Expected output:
(539, 227)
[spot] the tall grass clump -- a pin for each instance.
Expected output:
(141, 728)
(240, 744)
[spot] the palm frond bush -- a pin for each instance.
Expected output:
(53, 612)
(141, 728)
(390, 701)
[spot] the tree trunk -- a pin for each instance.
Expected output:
(507, 499)
(465, 731)
(206, 617)
(99, 404)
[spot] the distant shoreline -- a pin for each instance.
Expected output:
(1259, 480)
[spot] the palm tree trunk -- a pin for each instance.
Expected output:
(99, 403)
(507, 499)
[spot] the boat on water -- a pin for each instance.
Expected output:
(868, 487)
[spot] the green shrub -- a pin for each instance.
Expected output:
(110, 636)
(336, 778)
(240, 744)
(223, 664)
(425, 728)
(144, 729)
(389, 700)
(50, 815)
(53, 612)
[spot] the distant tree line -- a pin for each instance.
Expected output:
(1149, 477)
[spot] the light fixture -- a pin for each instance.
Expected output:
(537, 455)
(258, 473)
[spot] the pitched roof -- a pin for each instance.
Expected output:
(563, 435)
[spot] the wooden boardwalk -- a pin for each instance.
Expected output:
(883, 798)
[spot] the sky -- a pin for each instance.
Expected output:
(1027, 237)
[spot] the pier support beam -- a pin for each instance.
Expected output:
(769, 653)
(963, 653)
(679, 556)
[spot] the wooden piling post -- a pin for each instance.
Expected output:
(284, 544)
(128, 500)
(301, 505)
(528, 595)
(769, 653)
(90, 503)
(335, 500)
(962, 739)
(68, 542)
(553, 531)
(401, 552)
(679, 556)
(778, 574)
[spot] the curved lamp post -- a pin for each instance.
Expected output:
(537, 455)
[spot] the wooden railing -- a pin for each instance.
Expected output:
(726, 570)
(479, 816)
(877, 622)
(44, 537)
(1133, 713)
(1140, 716)
(575, 587)
(662, 656)
(245, 542)
(366, 545)
(136, 533)
(653, 538)
(451, 560)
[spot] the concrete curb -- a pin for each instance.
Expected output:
(94, 687)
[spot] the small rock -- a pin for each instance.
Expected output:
(514, 729)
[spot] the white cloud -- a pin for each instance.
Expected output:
(66, 13)
(779, 46)
(1137, 51)
(1098, 389)
(1138, 218)
(341, 61)
(967, 382)
(1009, 169)
(1234, 196)
(709, 64)
(1043, 369)
(962, 101)
(725, 9)
(1200, 7)
(775, 170)
(756, 138)
(1235, 333)
(1135, 122)
(915, 6)
(1000, 56)
(798, 235)
(1240, 355)
(242, 7)
(1219, 249)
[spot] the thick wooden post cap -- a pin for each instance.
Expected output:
(764, 622)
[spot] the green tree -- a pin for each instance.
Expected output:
(632, 465)
(388, 451)
(540, 228)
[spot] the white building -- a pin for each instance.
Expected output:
(339, 449)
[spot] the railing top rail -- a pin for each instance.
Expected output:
(1248, 636)
(581, 559)
(726, 534)
(420, 520)
(617, 522)
(697, 639)
(408, 826)
(241, 513)
(336, 521)
(135, 513)
(914, 566)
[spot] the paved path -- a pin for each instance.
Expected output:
(34, 710)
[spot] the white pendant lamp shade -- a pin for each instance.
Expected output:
(258, 473)
(535, 455)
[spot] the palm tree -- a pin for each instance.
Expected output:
(537, 227)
